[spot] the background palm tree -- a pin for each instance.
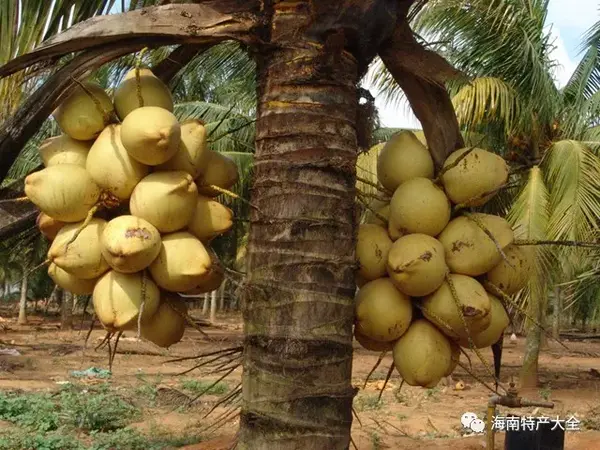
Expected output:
(550, 135)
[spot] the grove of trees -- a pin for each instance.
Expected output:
(279, 86)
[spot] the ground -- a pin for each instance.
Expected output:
(406, 418)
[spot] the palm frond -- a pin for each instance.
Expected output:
(572, 171)
(484, 100)
(585, 80)
(503, 39)
(529, 216)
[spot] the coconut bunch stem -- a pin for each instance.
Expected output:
(507, 299)
(379, 360)
(16, 200)
(372, 184)
(480, 224)
(375, 196)
(478, 379)
(469, 202)
(438, 179)
(138, 81)
(362, 200)
(472, 345)
(232, 195)
(387, 378)
(105, 114)
(188, 319)
(525, 242)
(142, 304)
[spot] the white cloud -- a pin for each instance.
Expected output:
(577, 14)
(566, 65)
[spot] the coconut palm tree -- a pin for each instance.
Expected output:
(549, 134)
(310, 56)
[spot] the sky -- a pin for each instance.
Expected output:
(568, 21)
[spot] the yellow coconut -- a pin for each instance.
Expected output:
(211, 281)
(441, 308)
(383, 313)
(416, 264)
(48, 226)
(512, 279)
(64, 150)
(110, 165)
(182, 262)
(372, 248)
(167, 326)
(393, 229)
(419, 206)
(151, 135)
(83, 115)
(423, 355)
(210, 219)
(65, 192)
(83, 257)
(154, 93)
(499, 320)
(455, 358)
(165, 199)
(220, 171)
(192, 155)
(370, 344)
(469, 249)
(130, 244)
(402, 158)
(475, 179)
(70, 282)
(118, 297)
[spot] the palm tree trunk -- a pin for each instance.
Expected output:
(222, 296)
(206, 304)
(298, 305)
(529, 369)
(557, 311)
(23, 301)
(213, 306)
(66, 311)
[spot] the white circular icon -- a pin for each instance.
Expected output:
(477, 425)
(467, 418)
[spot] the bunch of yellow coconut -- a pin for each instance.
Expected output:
(130, 207)
(425, 265)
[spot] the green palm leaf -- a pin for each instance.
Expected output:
(572, 171)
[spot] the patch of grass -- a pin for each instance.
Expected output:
(400, 396)
(376, 440)
(26, 440)
(432, 393)
(368, 402)
(401, 417)
(130, 439)
(199, 386)
(123, 439)
(88, 409)
(546, 392)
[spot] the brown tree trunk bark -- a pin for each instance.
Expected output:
(22, 320)
(529, 369)
(298, 310)
(66, 311)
